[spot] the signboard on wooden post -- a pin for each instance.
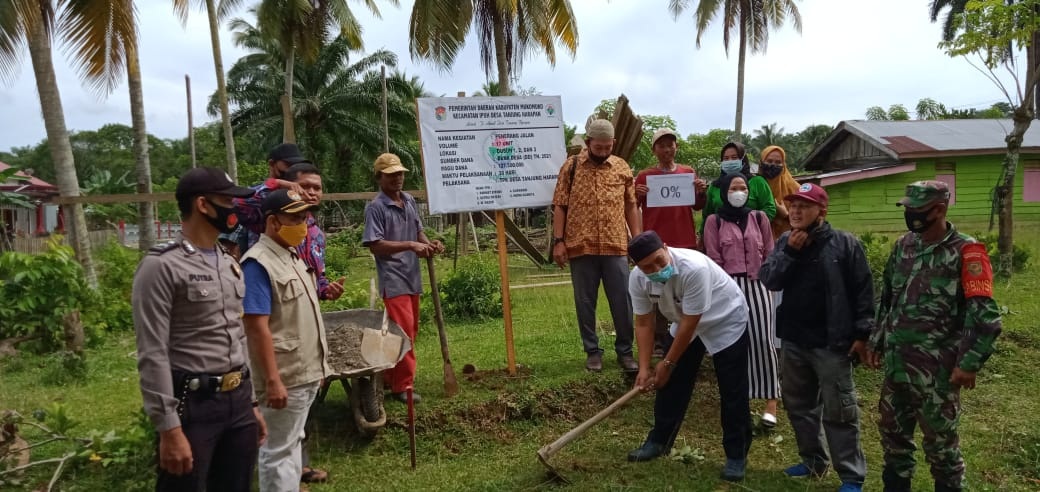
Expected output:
(492, 153)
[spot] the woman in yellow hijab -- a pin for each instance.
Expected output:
(773, 167)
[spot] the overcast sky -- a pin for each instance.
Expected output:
(850, 55)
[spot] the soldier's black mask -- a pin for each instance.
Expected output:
(918, 221)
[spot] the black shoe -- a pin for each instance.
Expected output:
(594, 362)
(646, 452)
(628, 363)
(403, 397)
(895, 483)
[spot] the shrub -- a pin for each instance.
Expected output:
(116, 266)
(340, 247)
(1019, 254)
(472, 290)
(877, 247)
(38, 291)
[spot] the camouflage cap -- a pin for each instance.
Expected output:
(921, 193)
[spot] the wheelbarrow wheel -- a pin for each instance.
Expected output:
(366, 404)
(371, 396)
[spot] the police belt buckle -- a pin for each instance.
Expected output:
(230, 381)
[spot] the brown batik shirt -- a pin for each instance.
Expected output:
(595, 204)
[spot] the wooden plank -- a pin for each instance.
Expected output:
(420, 195)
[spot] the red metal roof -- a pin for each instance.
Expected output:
(906, 145)
(35, 184)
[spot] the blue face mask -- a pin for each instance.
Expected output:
(661, 276)
(732, 167)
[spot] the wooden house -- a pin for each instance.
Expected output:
(865, 166)
(38, 221)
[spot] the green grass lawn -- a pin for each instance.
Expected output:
(486, 437)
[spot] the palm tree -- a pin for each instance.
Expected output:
(95, 32)
(338, 108)
(303, 27)
(507, 30)
(214, 14)
(950, 22)
(753, 19)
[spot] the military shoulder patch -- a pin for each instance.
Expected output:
(161, 248)
(976, 272)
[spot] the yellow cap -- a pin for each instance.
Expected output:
(389, 164)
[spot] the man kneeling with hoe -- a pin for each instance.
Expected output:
(708, 314)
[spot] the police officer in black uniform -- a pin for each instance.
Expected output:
(191, 345)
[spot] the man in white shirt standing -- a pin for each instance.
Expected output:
(708, 314)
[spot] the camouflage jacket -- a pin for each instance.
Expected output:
(924, 317)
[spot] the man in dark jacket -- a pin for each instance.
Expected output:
(824, 321)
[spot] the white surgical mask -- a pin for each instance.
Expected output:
(738, 198)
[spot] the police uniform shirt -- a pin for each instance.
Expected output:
(188, 317)
(699, 286)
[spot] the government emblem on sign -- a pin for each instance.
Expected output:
(440, 113)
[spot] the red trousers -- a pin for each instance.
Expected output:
(404, 310)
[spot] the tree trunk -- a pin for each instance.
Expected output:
(288, 127)
(73, 329)
(738, 122)
(502, 60)
(225, 114)
(61, 148)
(145, 211)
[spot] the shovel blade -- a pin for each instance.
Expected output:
(379, 348)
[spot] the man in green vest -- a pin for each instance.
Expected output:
(287, 347)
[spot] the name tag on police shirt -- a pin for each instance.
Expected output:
(670, 190)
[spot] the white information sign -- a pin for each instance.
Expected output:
(490, 153)
(670, 190)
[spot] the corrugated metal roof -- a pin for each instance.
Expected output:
(944, 135)
(34, 183)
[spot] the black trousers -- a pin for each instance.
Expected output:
(223, 433)
(731, 368)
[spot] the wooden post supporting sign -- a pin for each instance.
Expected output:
(507, 312)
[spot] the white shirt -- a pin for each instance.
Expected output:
(699, 286)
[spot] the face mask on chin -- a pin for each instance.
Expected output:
(226, 221)
(598, 159)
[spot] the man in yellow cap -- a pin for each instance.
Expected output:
(394, 234)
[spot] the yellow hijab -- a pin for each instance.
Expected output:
(784, 184)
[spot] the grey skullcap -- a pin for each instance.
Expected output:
(644, 245)
(600, 129)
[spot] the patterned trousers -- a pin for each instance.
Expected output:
(930, 401)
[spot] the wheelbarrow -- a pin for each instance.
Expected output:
(363, 383)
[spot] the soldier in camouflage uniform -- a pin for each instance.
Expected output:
(936, 326)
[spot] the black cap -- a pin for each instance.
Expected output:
(209, 181)
(287, 152)
(644, 245)
(285, 202)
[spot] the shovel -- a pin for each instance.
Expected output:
(380, 347)
(451, 385)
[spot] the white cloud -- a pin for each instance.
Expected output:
(851, 55)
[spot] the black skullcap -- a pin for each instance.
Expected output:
(644, 245)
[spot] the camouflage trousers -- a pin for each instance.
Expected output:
(930, 401)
